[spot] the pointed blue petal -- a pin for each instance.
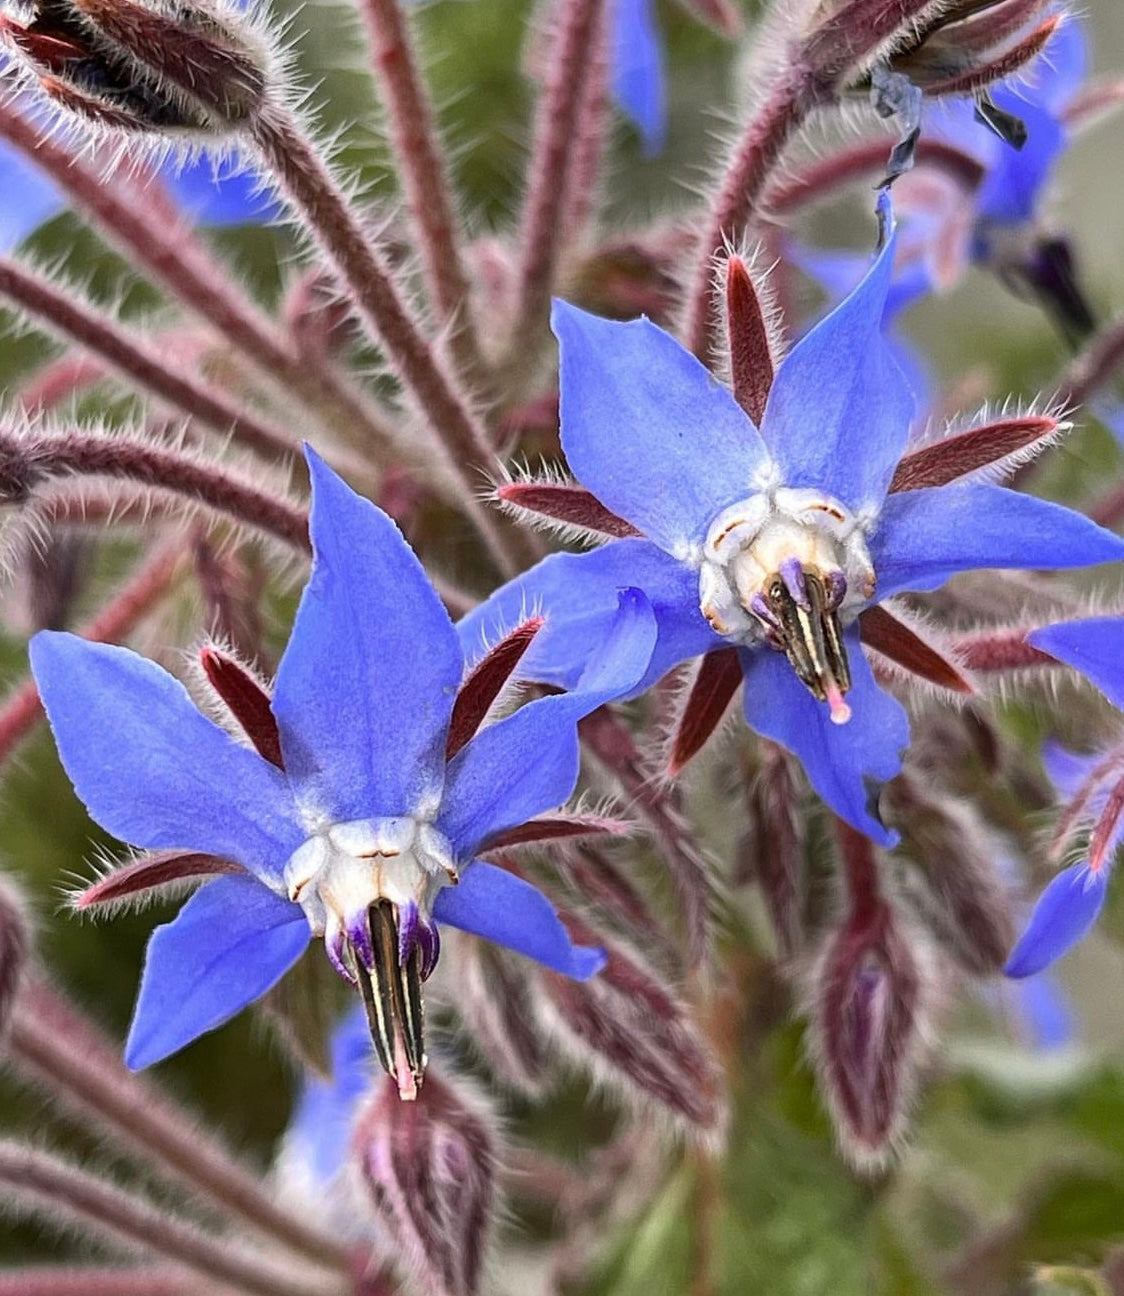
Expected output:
(579, 594)
(637, 77)
(1045, 1013)
(493, 903)
(648, 430)
(1065, 912)
(1065, 769)
(1059, 71)
(220, 191)
(1094, 646)
(528, 763)
(366, 686)
(846, 764)
(320, 1130)
(149, 767)
(226, 947)
(839, 411)
(1013, 183)
(925, 536)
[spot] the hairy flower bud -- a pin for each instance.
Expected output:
(635, 1031)
(772, 854)
(959, 894)
(429, 1168)
(494, 998)
(148, 67)
(868, 999)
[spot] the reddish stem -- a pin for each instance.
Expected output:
(552, 153)
(425, 177)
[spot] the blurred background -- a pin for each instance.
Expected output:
(1020, 1145)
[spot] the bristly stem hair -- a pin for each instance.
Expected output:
(329, 220)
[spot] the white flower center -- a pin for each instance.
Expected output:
(789, 567)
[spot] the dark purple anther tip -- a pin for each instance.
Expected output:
(792, 573)
(835, 587)
(359, 934)
(762, 611)
(429, 941)
(334, 948)
(407, 931)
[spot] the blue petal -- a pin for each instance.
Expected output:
(1065, 912)
(30, 198)
(1045, 1013)
(150, 768)
(839, 410)
(366, 686)
(1060, 70)
(320, 1129)
(528, 763)
(579, 594)
(226, 947)
(220, 191)
(846, 764)
(495, 904)
(1095, 647)
(926, 536)
(637, 70)
(648, 429)
(1012, 184)
(1065, 769)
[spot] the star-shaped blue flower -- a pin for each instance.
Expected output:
(771, 540)
(1070, 905)
(361, 832)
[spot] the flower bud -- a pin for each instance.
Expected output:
(869, 991)
(494, 998)
(429, 1168)
(634, 1030)
(145, 67)
(772, 855)
(959, 893)
(15, 946)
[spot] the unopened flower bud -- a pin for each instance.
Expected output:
(960, 895)
(495, 1000)
(634, 1029)
(429, 1168)
(145, 67)
(869, 990)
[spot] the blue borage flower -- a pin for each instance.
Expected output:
(1013, 180)
(360, 837)
(1071, 904)
(772, 540)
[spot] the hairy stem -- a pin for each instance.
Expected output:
(749, 171)
(168, 251)
(425, 178)
(552, 164)
(28, 459)
(159, 374)
(329, 220)
(62, 1280)
(591, 137)
(153, 579)
(48, 1185)
(64, 1052)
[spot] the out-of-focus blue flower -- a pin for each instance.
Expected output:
(770, 540)
(636, 70)
(1013, 179)
(365, 819)
(317, 1137)
(210, 191)
(1070, 905)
